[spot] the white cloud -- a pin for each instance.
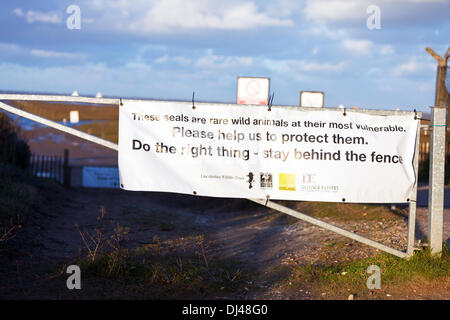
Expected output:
(322, 30)
(211, 61)
(425, 1)
(56, 54)
(206, 61)
(137, 79)
(284, 8)
(292, 66)
(412, 67)
(10, 47)
(387, 50)
(183, 61)
(152, 16)
(334, 10)
(358, 46)
(366, 47)
(18, 12)
(138, 66)
(16, 50)
(180, 60)
(162, 59)
(37, 16)
(349, 11)
(313, 66)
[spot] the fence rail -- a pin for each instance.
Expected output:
(412, 203)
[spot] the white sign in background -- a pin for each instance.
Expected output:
(311, 99)
(248, 152)
(252, 90)
(100, 177)
(74, 116)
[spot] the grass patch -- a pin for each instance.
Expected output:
(347, 211)
(152, 218)
(160, 271)
(336, 244)
(16, 192)
(339, 212)
(58, 111)
(107, 130)
(337, 281)
(21, 195)
(150, 274)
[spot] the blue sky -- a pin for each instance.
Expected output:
(167, 49)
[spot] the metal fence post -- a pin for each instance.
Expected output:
(437, 168)
(66, 169)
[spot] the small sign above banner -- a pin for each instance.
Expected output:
(252, 90)
(314, 99)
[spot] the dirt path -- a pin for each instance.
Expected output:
(234, 229)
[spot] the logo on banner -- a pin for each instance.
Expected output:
(309, 178)
(266, 180)
(250, 179)
(286, 181)
(309, 184)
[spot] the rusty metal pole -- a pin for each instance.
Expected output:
(441, 98)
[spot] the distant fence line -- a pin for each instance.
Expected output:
(51, 167)
(424, 153)
(57, 168)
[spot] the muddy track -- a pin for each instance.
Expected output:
(236, 229)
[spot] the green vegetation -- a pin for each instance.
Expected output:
(20, 193)
(15, 193)
(179, 268)
(13, 149)
(161, 219)
(345, 211)
(59, 111)
(105, 117)
(158, 270)
(337, 281)
(15, 197)
(149, 272)
(108, 130)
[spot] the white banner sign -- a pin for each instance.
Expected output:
(248, 152)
